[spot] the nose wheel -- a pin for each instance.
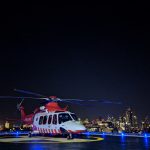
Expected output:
(66, 133)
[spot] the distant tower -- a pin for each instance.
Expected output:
(130, 118)
(145, 124)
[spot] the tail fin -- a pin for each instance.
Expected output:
(21, 109)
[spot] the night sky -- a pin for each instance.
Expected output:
(72, 51)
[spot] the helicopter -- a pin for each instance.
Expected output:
(51, 118)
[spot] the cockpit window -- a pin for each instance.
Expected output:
(74, 117)
(64, 117)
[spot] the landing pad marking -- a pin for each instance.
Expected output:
(40, 140)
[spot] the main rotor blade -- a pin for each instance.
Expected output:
(105, 101)
(93, 100)
(72, 102)
(79, 100)
(75, 101)
(28, 92)
(21, 97)
(88, 102)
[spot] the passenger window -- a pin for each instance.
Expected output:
(55, 119)
(41, 120)
(45, 120)
(49, 119)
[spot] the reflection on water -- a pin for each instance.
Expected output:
(122, 138)
(35, 146)
(112, 143)
(147, 142)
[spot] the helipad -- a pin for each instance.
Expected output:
(25, 139)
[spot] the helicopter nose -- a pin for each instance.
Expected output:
(81, 127)
(74, 127)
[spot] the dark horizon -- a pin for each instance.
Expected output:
(76, 51)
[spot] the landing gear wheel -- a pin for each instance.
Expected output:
(69, 136)
(66, 133)
(30, 134)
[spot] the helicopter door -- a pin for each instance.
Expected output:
(50, 119)
(54, 119)
(55, 124)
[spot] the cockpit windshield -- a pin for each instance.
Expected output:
(74, 117)
(64, 117)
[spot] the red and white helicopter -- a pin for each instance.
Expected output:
(51, 118)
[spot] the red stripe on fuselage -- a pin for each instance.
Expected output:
(76, 132)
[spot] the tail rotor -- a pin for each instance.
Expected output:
(19, 105)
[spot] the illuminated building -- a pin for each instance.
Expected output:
(86, 121)
(129, 118)
(7, 125)
(146, 124)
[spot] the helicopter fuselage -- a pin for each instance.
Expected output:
(59, 122)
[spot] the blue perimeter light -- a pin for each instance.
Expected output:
(145, 135)
(87, 133)
(122, 134)
(17, 133)
(103, 134)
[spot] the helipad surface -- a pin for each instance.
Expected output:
(25, 139)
